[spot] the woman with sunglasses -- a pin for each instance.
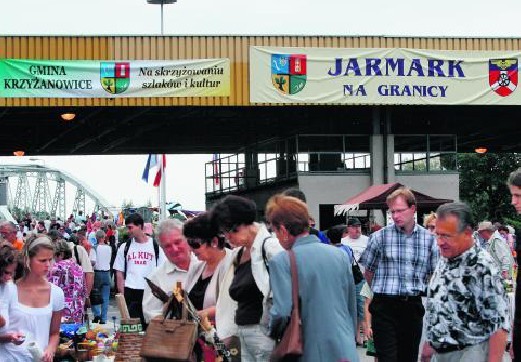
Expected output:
(35, 306)
(208, 247)
(8, 264)
(250, 285)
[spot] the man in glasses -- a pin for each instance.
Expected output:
(135, 260)
(467, 310)
(398, 260)
(179, 262)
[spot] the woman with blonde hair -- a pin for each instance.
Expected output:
(35, 306)
(327, 309)
(429, 222)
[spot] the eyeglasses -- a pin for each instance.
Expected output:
(398, 211)
(445, 236)
(194, 243)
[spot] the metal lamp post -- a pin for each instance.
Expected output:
(161, 2)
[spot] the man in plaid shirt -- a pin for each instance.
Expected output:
(399, 260)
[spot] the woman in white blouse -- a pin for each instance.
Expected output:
(35, 306)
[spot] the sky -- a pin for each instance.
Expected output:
(294, 17)
(118, 178)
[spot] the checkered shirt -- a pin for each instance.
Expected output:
(401, 263)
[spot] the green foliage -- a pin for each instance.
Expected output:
(483, 184)
(516, 223)
(122, 233)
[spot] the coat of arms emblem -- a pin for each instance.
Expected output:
(115, 76)
(288, 72)
(502, 76)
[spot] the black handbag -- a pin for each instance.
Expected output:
(95, 297)
(357, 273)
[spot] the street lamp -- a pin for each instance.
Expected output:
(161, 2)
(481, 150)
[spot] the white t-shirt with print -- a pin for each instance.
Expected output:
(358, 246)
(141, 262)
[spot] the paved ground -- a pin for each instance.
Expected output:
(364, 358)
(113, 311)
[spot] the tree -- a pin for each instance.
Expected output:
(483, 184)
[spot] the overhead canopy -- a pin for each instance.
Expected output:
(374, 197)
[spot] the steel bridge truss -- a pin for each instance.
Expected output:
(40, 201)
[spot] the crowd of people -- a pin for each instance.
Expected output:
(440, 291)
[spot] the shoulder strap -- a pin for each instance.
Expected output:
(125, 253)
(237, 259)
(264, 256)
(156, 249)
(76, 254)
(294, 280)
(350, 252)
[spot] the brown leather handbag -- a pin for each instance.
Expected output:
(290, 345)
(170, 339)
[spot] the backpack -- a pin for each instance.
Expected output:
(127, 247)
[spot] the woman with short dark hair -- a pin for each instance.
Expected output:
(208, 246)
(249, 286)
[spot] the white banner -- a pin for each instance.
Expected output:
(383, 76)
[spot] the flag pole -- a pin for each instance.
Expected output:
(162, 193)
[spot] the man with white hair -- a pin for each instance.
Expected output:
(176, 268)
(467, 310)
